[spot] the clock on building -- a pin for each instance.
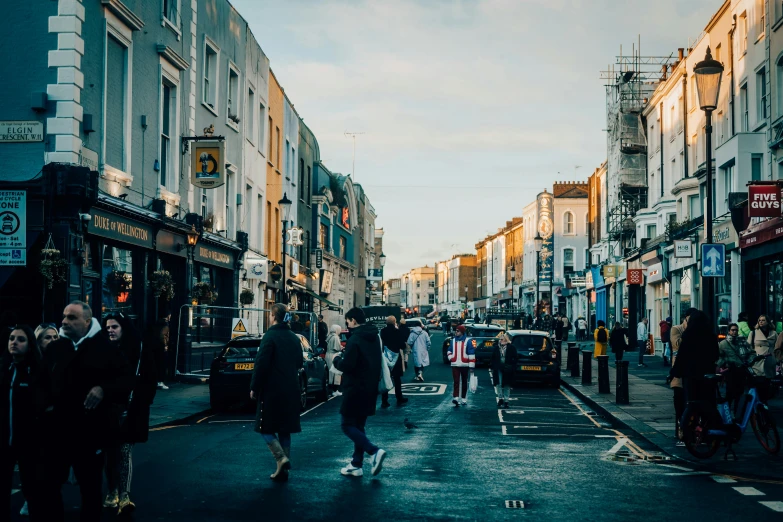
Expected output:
(545, 227)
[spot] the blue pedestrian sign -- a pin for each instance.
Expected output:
(713, 260)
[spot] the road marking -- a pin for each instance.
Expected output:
(605, 437)
(674, 466)
(620, 443)
(316, 406)
(687, 474)
(205, 418)
(246, 421)
(161, 428)
(774, 506)
(504, 430)
(580, 408)
(748, 491)
(720, 479)
(424, 389)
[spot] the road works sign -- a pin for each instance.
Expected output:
(713, 260)
(237, 328)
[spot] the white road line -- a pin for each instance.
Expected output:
(316, 406)
(500, 415)
(505, 430)
(720, 479)
(751, 492)
(774, 506)
(674, 466)
(687, 474)
(605, 436)
(246, 421)
(620, 443)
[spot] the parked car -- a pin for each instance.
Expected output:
(422, 321)
(538, 358)
(344, 335)
(232, 370)
(484, 339)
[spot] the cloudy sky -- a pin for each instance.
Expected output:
(468, 108)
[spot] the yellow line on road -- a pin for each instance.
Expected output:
(205, 418)
(580, 408)
(168, 427)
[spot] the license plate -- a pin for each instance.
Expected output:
(244, 366)
(488, 343)
(532, 368)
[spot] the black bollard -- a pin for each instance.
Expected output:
(573, 359)
(603, 374)
(587, 367)
(621, 384)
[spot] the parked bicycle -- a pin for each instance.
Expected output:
(706, 426)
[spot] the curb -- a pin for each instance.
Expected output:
(641, 428)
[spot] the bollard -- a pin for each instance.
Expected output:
(603, 374)
(621, 384)
(573, 359)
(587, 367)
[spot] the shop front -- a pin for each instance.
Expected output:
(214, 267)
(762, 258)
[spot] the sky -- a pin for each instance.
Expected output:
(469, 109)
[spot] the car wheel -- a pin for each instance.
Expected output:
(303, 393)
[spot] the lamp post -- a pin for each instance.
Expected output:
(513, 274)
(539, 244)
(466, 300)
(708, 74)
(285, 207)
(383, 263)
(192, 236)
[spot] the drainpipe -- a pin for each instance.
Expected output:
(684, 118)
(661, 129)
(731, 83)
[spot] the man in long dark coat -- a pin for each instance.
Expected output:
(275, 385)
(393, 341)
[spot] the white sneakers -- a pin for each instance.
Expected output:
(351, 471)
(162, 386)
(464, 402)
(337, 393)
(377, 464)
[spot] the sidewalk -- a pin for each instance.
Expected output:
(651, 414)
(179, 402)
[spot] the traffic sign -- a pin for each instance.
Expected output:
(276, 273)
(713, 260)
(237, 328)
(13, 227)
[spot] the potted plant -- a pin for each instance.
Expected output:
(162, 285)
(246, 297)
(204, 293)
(52, 267)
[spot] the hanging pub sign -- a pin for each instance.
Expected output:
(207, 164)
(764, 200)
(635, 276)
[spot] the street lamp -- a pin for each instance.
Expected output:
(513, 274)
(192, 237)
(383, 263)
(466, 300)
(539, 244)
(285, 206)
(708, 74)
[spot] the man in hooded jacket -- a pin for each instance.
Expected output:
(84, 385)
(361, 367)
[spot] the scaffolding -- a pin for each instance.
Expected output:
(629, 83)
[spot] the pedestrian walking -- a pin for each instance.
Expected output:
(675, 383)
(134, 429)
(44, 334)
(84, 385)
(641, 340)
(503, 363)
(566, 328)
(601, 338)
(275, 388)
(558, 325)
(156, 343)
(333, 349)
(666, 326)
(762, 340)
(19, 431)
(394, 351)
(420, 343)
(323, 333)
(461, 353)
(696, 357)
(581, 328)
(361, 367)
(618, 341)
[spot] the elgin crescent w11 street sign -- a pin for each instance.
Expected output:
(713, 260)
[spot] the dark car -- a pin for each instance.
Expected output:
(484, 337)
(537, 357)
(232, 370)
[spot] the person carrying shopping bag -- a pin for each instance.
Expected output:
(504, 361)
(462, 355)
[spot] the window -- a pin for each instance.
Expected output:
(651, 231)
(761, 92)
(227, 201)
(232, 103)
(301, 179)
(721, 135)
(761, 9)
(168, 107)
(694, 93)
(269, 156)
(430, 298)
(257, 222)
(568, 262)
(779, 83)
(343, 248)
(651, 139)
(209, 91)
(755, 167)
(251, 116)
(269, 228)
(694, 206)
(672, 127)
(261, 127)
(431, 284)
(743, 33)
(171, 14)
(117, 275)
(308, 184)
(418, 284)
(728, 183)
(277, 145)
(323, 236)
(717, 52)
(568, 223)
(744, 123)
(117, 97)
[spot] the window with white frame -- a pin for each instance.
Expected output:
(232, 97)
(651, 231)
(251, 115)
(744, 123)
(728, 184)
(568, 262)
(721, 133)
(117, 96)
(761, 9)
(679, 119)
(261, 127)
(694, 207)
(651, 139)
(171, 9)
(779, 84)
(568, 223)
(227, 202)
(717, 52)
(743, 33)
(168, 118)
(210, 71)
(672, 126)
(761, 93)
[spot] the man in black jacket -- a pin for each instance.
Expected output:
(392, 339)
(84, 383)
(361, 367)
(323, 332)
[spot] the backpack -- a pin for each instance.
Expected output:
(601, 337)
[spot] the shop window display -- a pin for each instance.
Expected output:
(117, 276)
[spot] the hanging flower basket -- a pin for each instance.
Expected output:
(204, 293)
(53, 267)
(162, 285)
(246, 297)
(118, 282)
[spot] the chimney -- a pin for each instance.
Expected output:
(680, 54)
(663, 72)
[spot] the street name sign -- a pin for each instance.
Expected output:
(21, 131)
(13, 228)
(713, 260)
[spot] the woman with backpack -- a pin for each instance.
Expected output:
(601, 337)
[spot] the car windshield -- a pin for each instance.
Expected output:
(531, 342)
(483, 332)
(242, 348)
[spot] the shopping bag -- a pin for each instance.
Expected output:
(390, 357)
(473, 383)
(385, 383)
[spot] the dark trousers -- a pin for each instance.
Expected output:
(679, 407)
(460, 376)
(28, 474)
(397, 380)
(642, 350)
(618, 355)
(88, 468)
(353, 427)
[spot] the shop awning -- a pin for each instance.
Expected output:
(331, 305)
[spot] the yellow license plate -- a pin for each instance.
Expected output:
(488, 343)
(532, 368)
(244, 366)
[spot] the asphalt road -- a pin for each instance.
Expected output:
(563, 461)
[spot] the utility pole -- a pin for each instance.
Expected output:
(353, 160)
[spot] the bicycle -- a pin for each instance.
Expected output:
(705, 426)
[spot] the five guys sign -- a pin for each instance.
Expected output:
(763, 200)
